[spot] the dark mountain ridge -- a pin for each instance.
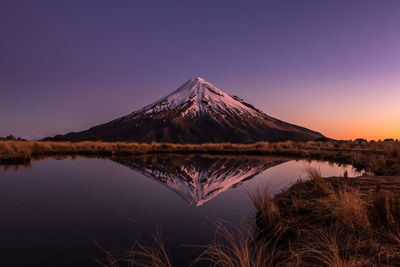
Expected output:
(197, 112)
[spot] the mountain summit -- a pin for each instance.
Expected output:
(197, 112)
(198, 97)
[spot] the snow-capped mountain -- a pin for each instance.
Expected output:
(198, 179)
(197, 112)
(198, 97)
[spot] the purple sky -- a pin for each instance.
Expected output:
(332, 66)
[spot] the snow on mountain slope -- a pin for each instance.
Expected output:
(198, 97)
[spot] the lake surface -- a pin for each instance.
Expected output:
(53, 211)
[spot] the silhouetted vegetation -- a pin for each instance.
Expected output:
(11, 138)
(57, 138)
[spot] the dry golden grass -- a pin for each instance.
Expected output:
(267, 212)
(381, 158)
(333, 223)
(347, 207)
(141, 255)
(234, 247)
(385, 210)
(325, 248)
(315, 176)
(318, 222)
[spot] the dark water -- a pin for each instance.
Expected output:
(53, 211)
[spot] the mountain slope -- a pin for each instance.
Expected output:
(197, 112)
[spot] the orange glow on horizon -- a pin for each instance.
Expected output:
(373, 129)
(370, 108)
(378, 134)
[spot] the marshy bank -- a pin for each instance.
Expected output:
(380, 158)
(331, 222)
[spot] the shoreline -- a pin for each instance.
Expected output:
(380, 158)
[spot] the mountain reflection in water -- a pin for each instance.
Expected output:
(199, 178)
(61, 203)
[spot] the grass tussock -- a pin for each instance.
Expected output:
(332, 222)
(233, 247)
(267, 212)
(324, 247)
(385, 210)
(345, 207)
(349, 208)
(141, 255)
(314, 175)
(381, 158)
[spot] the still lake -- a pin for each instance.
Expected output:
(53, 211)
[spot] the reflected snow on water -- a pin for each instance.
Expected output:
(52, 211)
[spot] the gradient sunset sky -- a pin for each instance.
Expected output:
(331, 66)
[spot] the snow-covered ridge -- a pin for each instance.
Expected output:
(197, 97)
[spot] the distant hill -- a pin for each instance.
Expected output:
(197, 112)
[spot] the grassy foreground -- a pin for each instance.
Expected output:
(381, 158)
(318, 222)
(331, 222)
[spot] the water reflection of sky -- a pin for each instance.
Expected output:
(287, 173)
(52, 211)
